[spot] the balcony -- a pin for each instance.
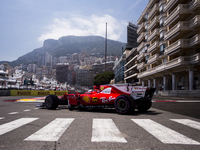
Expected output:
(141, 28)
(140, 37)
(140, 46)
(194, 5)
(175, 14)
(140, 56)
(140, 66)
(153, 35)
(153, 11)
(130, 68)
(194, 22)
(153, 59)
(153, 47)
(174, 47)
(153, 23)
(170, 4)
(133, 59)
(130, 76)
(195, 58)
(194, 40)
(151, 3)
(172, 64)
(179, 28)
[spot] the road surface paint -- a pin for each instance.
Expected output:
(105, 130)
(12, 113)
(15, 124)
(188, 122)
(164, 134)
(27, 110)
(51, 132)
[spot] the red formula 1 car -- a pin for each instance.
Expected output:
(124, 98)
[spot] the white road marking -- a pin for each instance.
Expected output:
(51, 132)
(105, 130)
(35, 108)
(12, 113)
(27, 110)
(164, 134)
(188, 122)
(15, 124)
(1, 117)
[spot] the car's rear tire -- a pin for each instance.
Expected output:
(51, 102)
(124, 104)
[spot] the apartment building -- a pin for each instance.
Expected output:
(169, 46)
(119, 69)
(131, 70)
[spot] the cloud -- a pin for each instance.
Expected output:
(134, 5)
(84, 26)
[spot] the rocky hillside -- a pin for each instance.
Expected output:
(72, 44)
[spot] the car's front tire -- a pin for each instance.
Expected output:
(51, 102)
(124, 104)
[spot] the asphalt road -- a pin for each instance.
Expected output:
(23, 127)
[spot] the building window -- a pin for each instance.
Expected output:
(161, 35)
(161, 9)
(146, 16)
(146, 27)
(161, 21)
(162, 49)
(146, 58)
(146, 37)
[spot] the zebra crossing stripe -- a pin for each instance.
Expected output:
(164, 134)
(51, 132)
(1, 118)
(188, 122)
(105, 130)
(12, 113)
(15, 124)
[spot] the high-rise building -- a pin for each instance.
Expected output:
(62, 72)
(131, 36)
(169, 45)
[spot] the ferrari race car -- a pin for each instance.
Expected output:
(124, 98)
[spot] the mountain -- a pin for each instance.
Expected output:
(65, 45)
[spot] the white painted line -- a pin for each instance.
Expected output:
(15, 124)
(190, 101)
(1, 117)
(105, 130)
(164, 134)
(35, 108)
(188, 122)
(12, 113)
(51, 132)
(27, 110)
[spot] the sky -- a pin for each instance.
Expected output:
(25, 24)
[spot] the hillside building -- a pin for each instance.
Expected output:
(169, 46)
(84, 77)
(62, 72)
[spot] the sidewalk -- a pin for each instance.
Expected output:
(158, 97)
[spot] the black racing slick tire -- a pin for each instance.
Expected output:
(124, 104)
(51, 102)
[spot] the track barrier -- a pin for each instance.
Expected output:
(36, 93)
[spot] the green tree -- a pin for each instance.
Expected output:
(103, 78)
